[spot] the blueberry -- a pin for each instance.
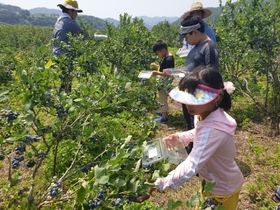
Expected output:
(93, 139)
(30, 164)
(100, 196)
(86, 169)
(132, 198)
(59, 183)
(53, 193)
(113, 203)
(20, 192)
(2, 156)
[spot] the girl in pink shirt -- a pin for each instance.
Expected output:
(212, 157)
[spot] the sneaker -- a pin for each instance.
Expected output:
(162, 119)
(158, 113)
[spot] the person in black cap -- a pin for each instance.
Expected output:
(204, 53)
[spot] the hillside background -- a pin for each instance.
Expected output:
(41, 16)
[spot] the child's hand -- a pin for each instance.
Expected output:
(154, 65)
(167, 71)
(171, 141)
(154, 73)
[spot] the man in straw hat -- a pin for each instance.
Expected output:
(66, 24)
(198, 10)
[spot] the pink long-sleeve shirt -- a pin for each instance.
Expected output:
(212, 155)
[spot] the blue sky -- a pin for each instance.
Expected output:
(113, 8)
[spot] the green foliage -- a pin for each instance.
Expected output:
(90, 138)
(251, 60)
(165, 31)
(129, 47)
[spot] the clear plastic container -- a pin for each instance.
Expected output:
(145, 74)
(179, 72)
(156, 150)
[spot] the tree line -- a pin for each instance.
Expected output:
(16, 16)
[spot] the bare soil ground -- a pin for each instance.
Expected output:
(253, 164)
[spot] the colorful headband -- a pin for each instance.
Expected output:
(203, 94)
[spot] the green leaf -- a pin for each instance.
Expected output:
(49, 64)
(103, 180)
(91, 175)
(24, 79)
(194, 199)
(135, 186)
(166, 166)
(78, 99)
(173, 204)
(30, 155)
(3, 92)
(29, 118)
(155, 175)
(137, 166)
(71, 109)
(37, 76)
(209, 186)
(27, 106)
(3, 98)
(115, 167)
(12, 139)
(188, 204)
(220, 208)
(104, 103)
(81, 194)
(99, 172)
(84, 184)
(127, 140)
(120, 182)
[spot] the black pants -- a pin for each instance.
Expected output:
(190, 122)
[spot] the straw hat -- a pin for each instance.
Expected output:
(70, 4)
(195, 7)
